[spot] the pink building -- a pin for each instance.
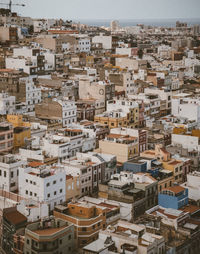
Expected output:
(6, 137)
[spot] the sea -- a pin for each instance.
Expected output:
(135, 22)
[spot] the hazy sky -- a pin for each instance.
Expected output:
(110, 9)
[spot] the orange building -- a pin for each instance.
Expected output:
(87, 218)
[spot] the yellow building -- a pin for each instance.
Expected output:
(123, 147)
(118, 119)
(166, 181)
(17, 121)
(22, 130)
(89, 61)
(176, 167)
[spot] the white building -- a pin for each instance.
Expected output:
(33, 94)
(84, 43)
(124, 232)
(105, 40)
(9, 170)
(42, 24)
(187, 108)
(186, 141)
(193, 186)
(7, 104)
(69, 111)
(27, 59)
(33, 210)
(22, 64)
(122, 104)
(43, 184)
(62, 146)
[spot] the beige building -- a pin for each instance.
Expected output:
(123, 147)
(8, 34)
(6, 137)
(73, 189)
(100, 90)
(52, 235)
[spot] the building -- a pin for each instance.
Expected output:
(92, 169)
(62, 110)
(9, 171)
(49, 235)
(8, 34)
(186, 107)
(192, 185)
(13, 222)
(108, 42)
(142, 135)
(173, 197)
(133, 192)
(120, 113)
(135, 236)
(6, 137)
(43, 184)
(88, 219)
(28, 60)
(24, 89)
(22, 130)
(101, 90)
(7, 104)
(124, 147)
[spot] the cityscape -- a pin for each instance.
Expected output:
(99, 127)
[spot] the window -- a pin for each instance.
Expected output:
(12, 174)
(60, 241)
(84, 229)
(54, 182)
(48, 195)
(69, 237)
(4, 173)
(55, 193)
(31, 193)
(60, 190)
(26, 192)
(0, 172)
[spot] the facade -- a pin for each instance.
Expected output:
(173, 197)
(49, 235)
(142, 136)
(9, 172)
(12, 222)
(87, 219)
(6, 137)
(91, 169)
(124, 147)
(7, 104)
(43, 184)
(134, 235)
(62, 110)
(192, 185)
(21, 131)
(101, 90)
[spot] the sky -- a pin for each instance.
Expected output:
(109, 9)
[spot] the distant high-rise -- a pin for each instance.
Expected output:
(196, 29)
(114, 25)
